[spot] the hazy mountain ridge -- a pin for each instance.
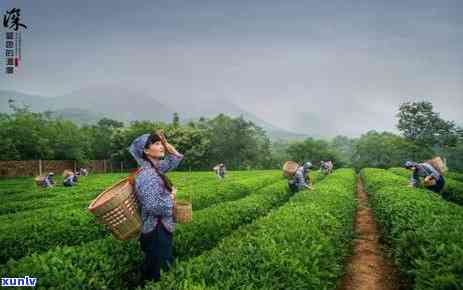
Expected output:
(88, 105)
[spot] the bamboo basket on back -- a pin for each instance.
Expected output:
(290, 168)
(117, 208)
(39, 180)
(438, 164)
(67, 172)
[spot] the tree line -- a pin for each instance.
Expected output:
(238, 143)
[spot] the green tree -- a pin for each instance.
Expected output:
(453, 156)
(176, 120)
(193, 143)
(279, 153)
(384, 150)
(66, 140)
(418, 122)
(344, 146)
(27, 135)
(237, 143)
(24, 135)
(314, 151)
(100, 137)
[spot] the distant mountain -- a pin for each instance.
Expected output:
(42, 104)
(36, 103)
(278, 135)
(94, 103)
(315, 126)
(88, 105)
(211, 106)
(330, 125)
(78, 116)
(117, 103)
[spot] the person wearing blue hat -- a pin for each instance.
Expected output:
(433, 179)
(155, 195)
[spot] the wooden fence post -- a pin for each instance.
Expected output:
(40, 167)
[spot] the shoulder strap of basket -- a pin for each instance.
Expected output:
(131, 177)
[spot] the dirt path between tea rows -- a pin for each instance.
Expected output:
(368, 268)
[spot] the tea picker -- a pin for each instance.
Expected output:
(326, 167)
(45, 181)
(295, 175)
(220, 170)
(431, 170)
(83, 171)
(69, 178)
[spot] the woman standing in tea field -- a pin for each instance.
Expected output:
(155, 194)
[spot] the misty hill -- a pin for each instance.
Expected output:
(78, 116)
(88, 105)
(36, 103)
(91, 104)
(210, 106)
(117, 103)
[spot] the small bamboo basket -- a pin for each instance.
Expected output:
(290, 168)
(183, 211)
(117, 208)
(39, 180)
(67, 172)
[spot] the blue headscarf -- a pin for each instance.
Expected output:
(307, 165)
(137, 147)
(410, 164)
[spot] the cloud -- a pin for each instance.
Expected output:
(345, 66)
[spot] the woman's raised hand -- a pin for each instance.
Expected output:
(162, 137)
(167, 147)
(165, 144)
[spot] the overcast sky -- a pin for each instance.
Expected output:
(288, 62)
